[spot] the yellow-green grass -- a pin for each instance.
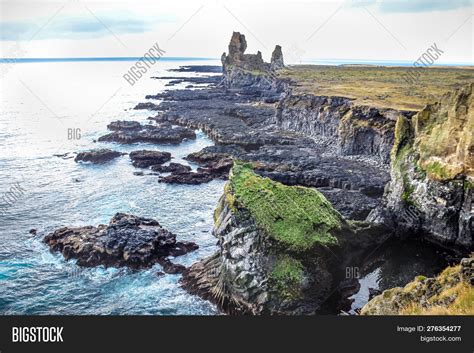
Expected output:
(377, 86)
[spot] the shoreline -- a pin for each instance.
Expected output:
(261, 122)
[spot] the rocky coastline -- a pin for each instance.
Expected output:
(315, 185)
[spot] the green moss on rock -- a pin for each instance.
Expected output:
(287, 277)
(297, 217)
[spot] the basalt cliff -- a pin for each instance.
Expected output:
(318, 181)
(281, 248)
(432, 172)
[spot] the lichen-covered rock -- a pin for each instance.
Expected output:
(432, 172)
(450, 293)
(126, 241)
(274, 242)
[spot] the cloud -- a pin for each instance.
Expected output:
(410, 6)
(83, 27)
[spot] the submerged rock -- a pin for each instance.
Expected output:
(126, 241)
(432, 172)
(450, 293)
(97, 156)
(145, 158)
(274, 242)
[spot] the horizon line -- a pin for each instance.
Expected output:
(185, 58)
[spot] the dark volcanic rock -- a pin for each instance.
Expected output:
(146, 106)
(199, 68)
(191, 178)
(249, 132)
(211, 154)
(213, 170)
(126, 241)
(239, 68)
(219, 168)
(255, 272)
(97, 156)
(145, 159)
(124, 125)
(432, 173)
(277, 62)
(208, 80)
(151, 134)
(322, 142)
(171, 268)
(171, 168)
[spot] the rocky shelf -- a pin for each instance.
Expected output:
(127, 240)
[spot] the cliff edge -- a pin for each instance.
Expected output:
(432, 172)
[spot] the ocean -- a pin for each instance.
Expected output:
(54, 108)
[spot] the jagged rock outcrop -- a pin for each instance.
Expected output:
(248, 70)
(432, 176)
(127, 240)
(450, 293)
(277, 62)
(278, 248)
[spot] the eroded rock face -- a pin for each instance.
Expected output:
(97, 156)
(431, 184)
(126, 241)
(244, 128)
(447, 294)
(352, 130)
(258, 269)
(277, 62)
(248, 70)
(127, 132)
(145, 158)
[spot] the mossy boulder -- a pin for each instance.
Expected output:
(280, 247)
(297, 217)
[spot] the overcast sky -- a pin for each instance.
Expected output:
(307, 30)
